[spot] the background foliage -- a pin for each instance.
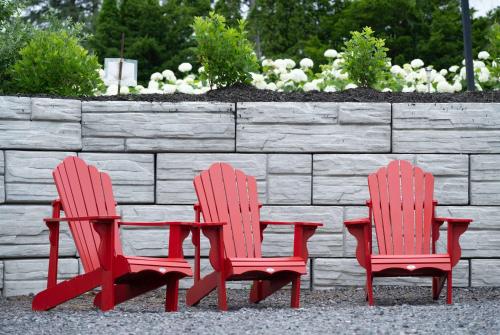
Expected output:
(159, 32)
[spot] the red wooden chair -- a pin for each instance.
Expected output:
(86, 197)
(402, 207)
(231, 212)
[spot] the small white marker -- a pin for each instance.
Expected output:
(270, 270)
(411, 267)
(162, 270)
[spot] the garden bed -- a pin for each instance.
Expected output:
(244, 93)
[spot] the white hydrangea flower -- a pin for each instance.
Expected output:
(330, 53)
(444, 87)
(338, 62)
(156, 76)
(139, 88)
(111, 90)
(308, 87)
(443, 72)
(297, 75)
(290, 64)
(407, 67)
(483, 55)
(190, 79)
(185, 67)
(306, 63)
(267, 62)
(408, 89)
(479, 64)
(457, 86)
(396, 69)
(261, 85)
(453, 68)
(169, 89)
(417, 63)
(169, 76)
(280, 64)
(185, 88)
(330, 89)
(153, 85)
(201, 69)
(272, 86)
(124, 90)
(484, 75)
(349, 86)
(421, 88)
(102, 73)
(386, 89)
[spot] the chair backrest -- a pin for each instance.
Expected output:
(84, 191)
(228, 195)
(402, 208)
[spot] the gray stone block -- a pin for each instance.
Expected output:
(485, 218)
(330, 216)
(364, 113)
(103, 144)
(289, 179)
(452, 127)
(305, 127)
(2, 177)
(29, 276)
(483, 243)
(203, 126)
(320, 245)
(56, 110)
(28, 176)
(331, 272)
(342, 178)
(485, 179)
(132, 174)
(42, 135)
(485, 272)
(15, 108)
(1, 275)
(175, 174)
(24, 234)
(115, 106)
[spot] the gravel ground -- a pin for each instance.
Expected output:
(403, 310)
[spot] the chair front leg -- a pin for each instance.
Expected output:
(54, 244)
(107, 230)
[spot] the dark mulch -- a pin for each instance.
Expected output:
(244, 93)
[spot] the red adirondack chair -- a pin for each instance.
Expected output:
(86, 197)
(231, 212)
(402, 207)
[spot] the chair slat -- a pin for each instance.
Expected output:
(384, 206)
(233, 206)
(407, 193)
(428, 211)
(394, 181)
(419, 210)
(241, 180)
(222, 208)
(373, 186)
(255, 211)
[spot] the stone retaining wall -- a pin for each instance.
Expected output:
(311, 161)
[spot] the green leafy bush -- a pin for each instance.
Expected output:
(365, 58)
(53, 62)
(225, 53)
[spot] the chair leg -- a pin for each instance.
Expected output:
(172, 296)
(221, 292)
(369, 288)
(449, 289)
(295, 301)
(201, 288)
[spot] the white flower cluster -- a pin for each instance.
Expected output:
(283, 75)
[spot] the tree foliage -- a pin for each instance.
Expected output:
(159, 36)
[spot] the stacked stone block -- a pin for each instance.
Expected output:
(311, 161)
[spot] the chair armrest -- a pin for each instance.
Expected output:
(361, 230)
(292, 223)
(456, 227)
(208, 225)
(84, 218)
(156, 224)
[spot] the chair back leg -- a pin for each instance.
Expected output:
(295, 301)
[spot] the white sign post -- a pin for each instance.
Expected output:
(112, 72)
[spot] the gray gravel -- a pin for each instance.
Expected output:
(400, 310)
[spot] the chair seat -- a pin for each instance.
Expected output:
(160, 265)
(267, 265)
(411, 263)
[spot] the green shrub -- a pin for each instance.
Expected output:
(365, 58)
(226, 53)
(53, 62)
